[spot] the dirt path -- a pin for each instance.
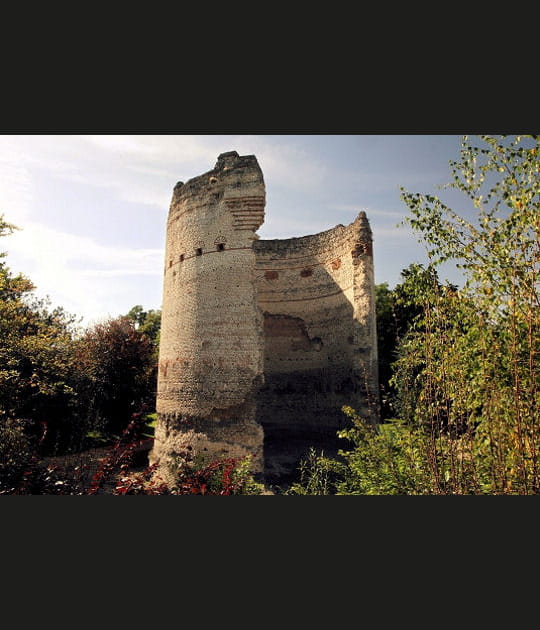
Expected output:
(81, 468)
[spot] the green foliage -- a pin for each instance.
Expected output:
(398, 311)
(36, 359)
(468, 376)
(319, 475)
(116, 373)
(230, 476)
(62, 385)
(387, 340)
(16, 453)
(150, 422)
(147, 323)
(6, 229)
(242, 479)
(382, 459)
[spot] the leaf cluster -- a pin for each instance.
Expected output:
(465, 372)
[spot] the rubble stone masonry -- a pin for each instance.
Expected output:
(262, 341)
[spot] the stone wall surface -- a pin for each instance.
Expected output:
(262, 341)
(317, 312)
(316, 295)
(211, 346)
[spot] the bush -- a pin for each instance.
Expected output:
(382, 459)
(16, 454)
(468, 377)
(319, 475)
(116, 372)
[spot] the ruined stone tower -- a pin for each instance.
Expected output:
(262, 342)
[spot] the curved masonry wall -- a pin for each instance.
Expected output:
(317, 353)
(317, 298)
(259, 334)
(211, 345)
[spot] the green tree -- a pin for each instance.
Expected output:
(146, 322)
(36, 360)
(117, 368)
(388, 458)
(57, 383)
(466, 373)
(38, 400)
(387, 340)
(469, 376)
(398, 310)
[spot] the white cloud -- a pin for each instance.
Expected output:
(92, 279)
(134, 168)
(159, 148)
(119, 143)
(145, 168)
(85, 277)
(80, 273)
(284, 162)
(16, 191)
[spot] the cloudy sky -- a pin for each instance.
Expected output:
(92, 208)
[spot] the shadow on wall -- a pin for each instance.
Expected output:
(314, 356)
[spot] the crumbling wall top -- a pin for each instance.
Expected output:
(228, 166)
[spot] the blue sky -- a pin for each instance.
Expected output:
(92, 208)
